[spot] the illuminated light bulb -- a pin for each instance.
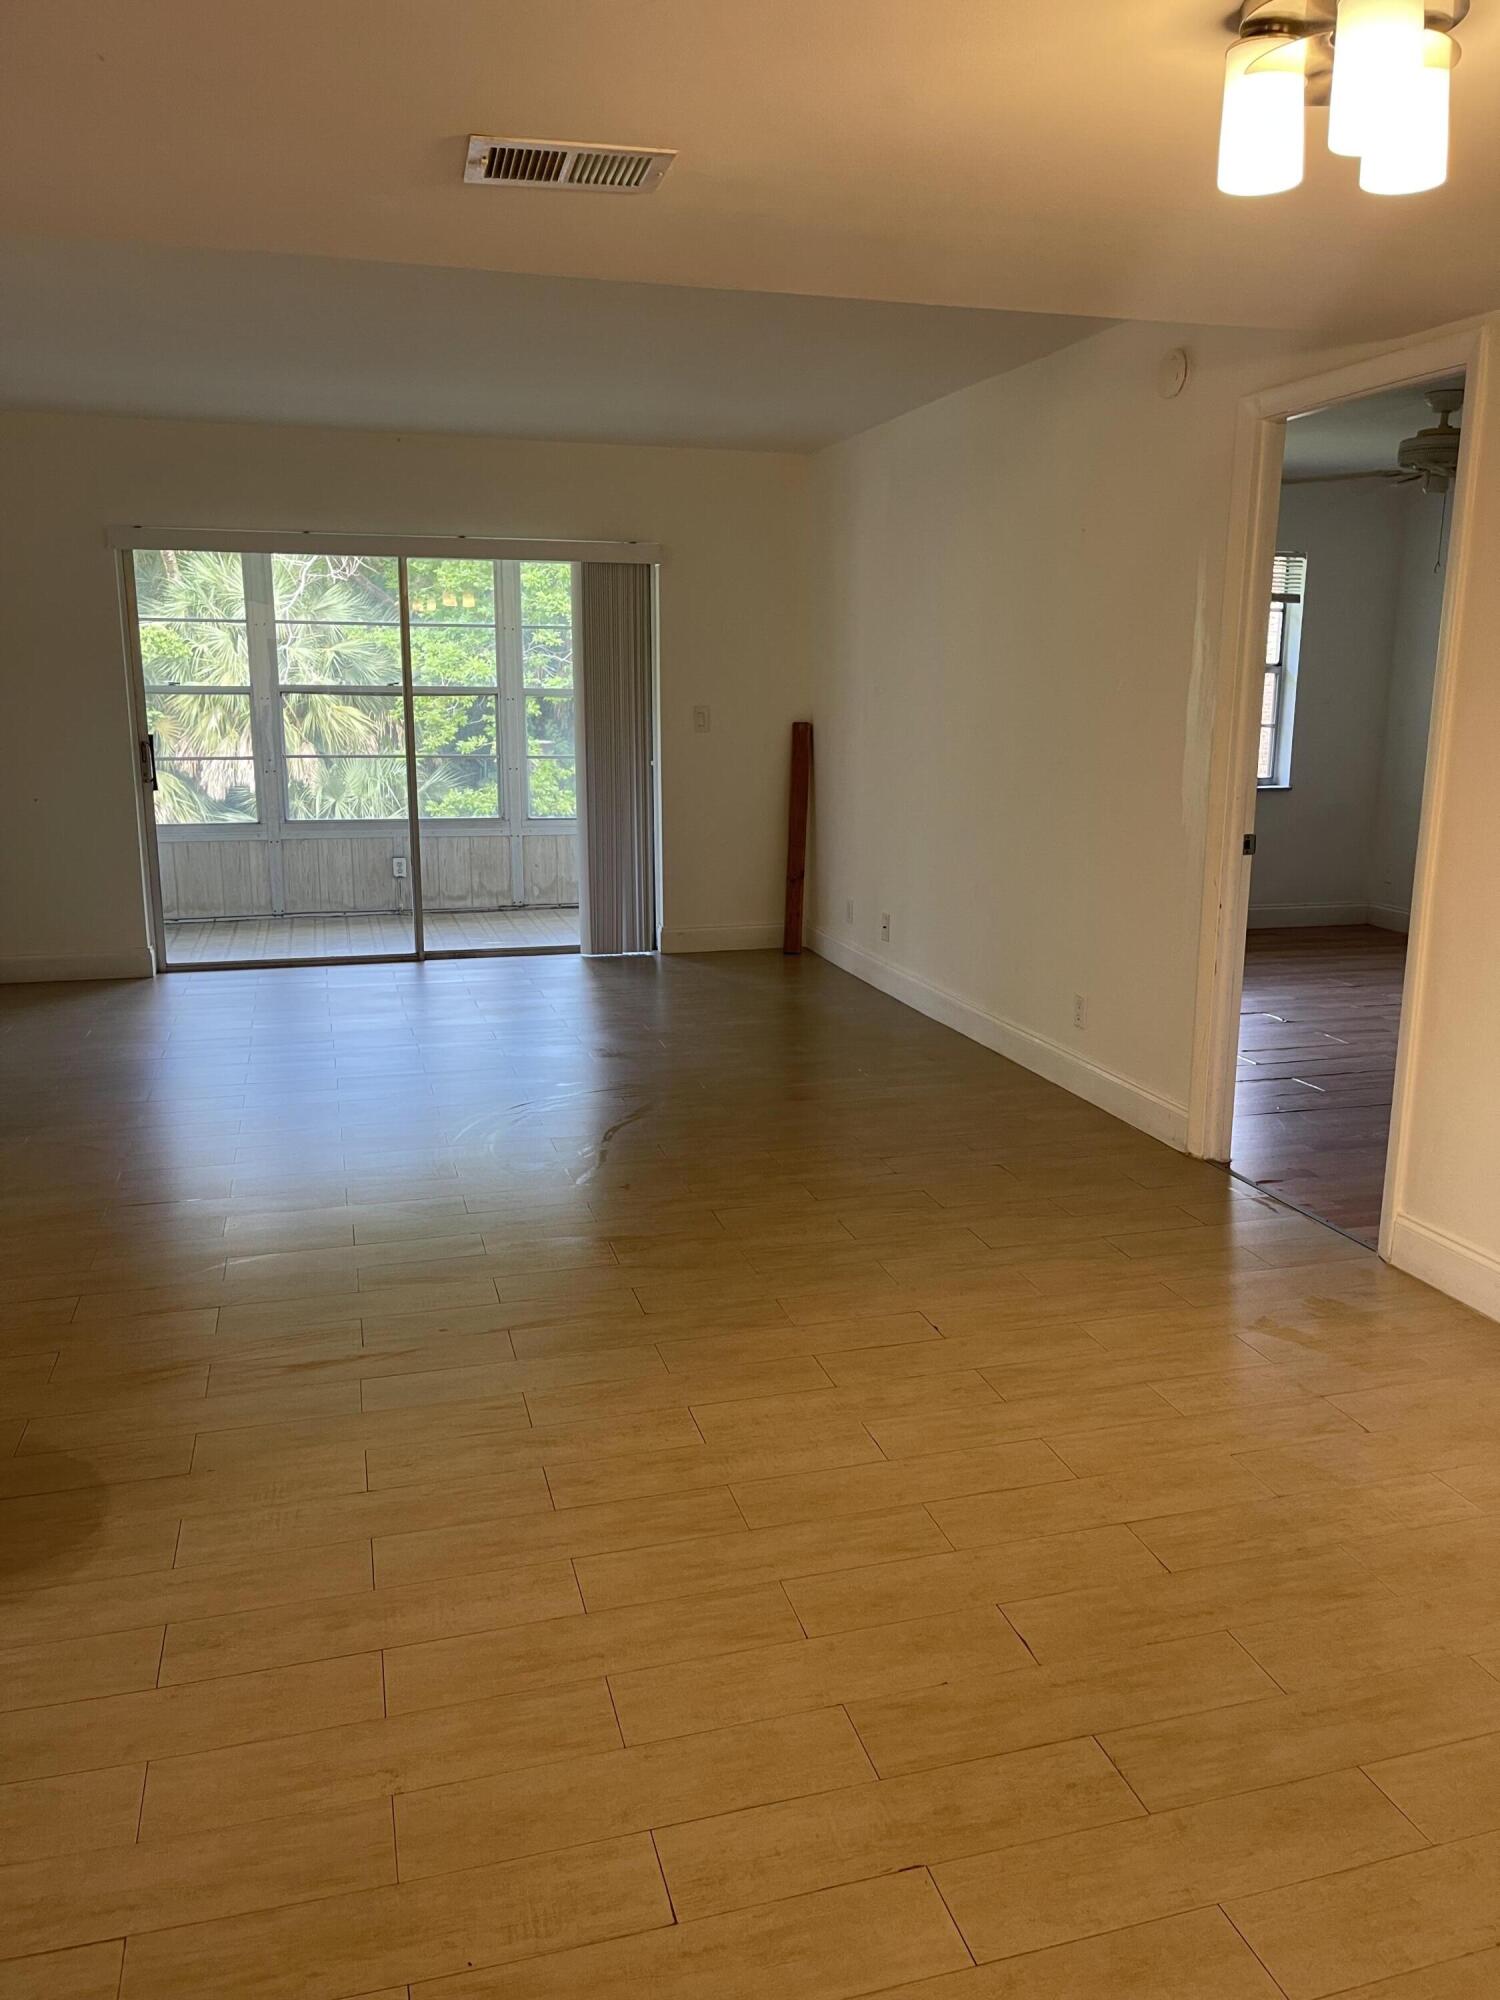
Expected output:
(1262, 134)
(1410, 153)
(469, 600)
(450, 601)
(1377, 66)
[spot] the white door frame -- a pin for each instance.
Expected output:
(145, 763)
(1254, 506)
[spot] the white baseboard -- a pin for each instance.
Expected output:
(1119, 1095)
(1386, 919)
(721, 937)
(1280, 916)
(1461, 1269)
(138, 964)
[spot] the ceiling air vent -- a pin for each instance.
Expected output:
(560, 163)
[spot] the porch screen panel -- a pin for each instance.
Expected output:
(614, 669)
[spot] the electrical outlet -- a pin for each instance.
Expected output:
(1080, 1010)
(398, 867)
(702, 720)
(849, 911)
(885, 927)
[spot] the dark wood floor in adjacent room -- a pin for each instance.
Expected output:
(1321, 1014)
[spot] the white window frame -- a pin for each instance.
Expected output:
(1289, 589)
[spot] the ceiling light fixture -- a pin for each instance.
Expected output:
(1410, 154)
(1377, 58)
(1262, 137)
(1383, 67)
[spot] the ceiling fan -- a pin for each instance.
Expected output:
(1431, 455)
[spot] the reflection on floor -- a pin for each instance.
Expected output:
(672, 1477)
(246, 940)
(1322, 1011)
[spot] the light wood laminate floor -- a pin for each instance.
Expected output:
(249, 940)
(1320, 1022)
(669, 1479)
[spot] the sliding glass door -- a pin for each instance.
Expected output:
(492, 678)
(357, 756)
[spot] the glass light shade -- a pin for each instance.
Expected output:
(1410, 154)
(1262, 133)
(1377, 61)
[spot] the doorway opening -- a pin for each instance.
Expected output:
(1352, 631)
(357, 756)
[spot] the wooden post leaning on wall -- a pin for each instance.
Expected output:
(796, 835)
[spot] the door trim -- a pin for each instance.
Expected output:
(1260, 427)
(145, 809)
(409, 731)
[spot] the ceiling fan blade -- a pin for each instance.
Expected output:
(1329, 478)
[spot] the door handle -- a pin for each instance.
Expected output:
(148, 761)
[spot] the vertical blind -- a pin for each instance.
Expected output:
(614, 668)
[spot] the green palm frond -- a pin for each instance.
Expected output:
(199, 794)
(200, 725)
(347, 655)
(346, 788)
(336, 724)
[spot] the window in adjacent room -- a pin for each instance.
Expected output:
(1273, 769)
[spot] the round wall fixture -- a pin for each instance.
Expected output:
(1172, 375)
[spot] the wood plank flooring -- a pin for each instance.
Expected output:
(1319, 1026)
(681, 1478)
(249, 940)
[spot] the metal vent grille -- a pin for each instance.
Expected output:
(557, 163)
(527, 166)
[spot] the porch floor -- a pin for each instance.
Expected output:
(254, 940)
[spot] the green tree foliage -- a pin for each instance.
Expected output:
(338, 630)
(547, 662)
(453, 648)
(338, 655)
(205, 767)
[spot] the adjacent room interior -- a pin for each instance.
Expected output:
(749, 1001)
(1363, 533)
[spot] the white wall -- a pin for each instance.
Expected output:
(1339, 846)
(1312, 841)
(733, 636)
(1018, 616)
(1017, 669)
(1414, 645)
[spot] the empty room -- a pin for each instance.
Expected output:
(749, 1001)
(1363, 532)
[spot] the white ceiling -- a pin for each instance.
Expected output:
(194, 333)
(1361, 436)
(958, 152)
